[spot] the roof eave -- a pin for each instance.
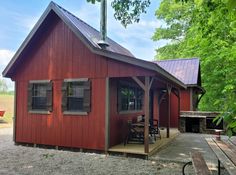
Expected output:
(141, 63)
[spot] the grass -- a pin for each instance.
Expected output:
(7, 104)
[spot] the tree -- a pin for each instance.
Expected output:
(3, 86)
(204, 29)
(127, 11)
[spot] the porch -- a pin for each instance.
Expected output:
(131, 97)
(138, 148)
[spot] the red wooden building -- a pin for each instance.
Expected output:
(189, 72)
(71, 92)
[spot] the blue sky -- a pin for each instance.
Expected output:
(17, 18)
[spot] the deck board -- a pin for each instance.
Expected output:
(138, 148)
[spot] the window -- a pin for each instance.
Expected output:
(76, 95)
(40, 95)
(130, 98)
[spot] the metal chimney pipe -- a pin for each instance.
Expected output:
(103, 25)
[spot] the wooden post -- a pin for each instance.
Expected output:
(15, 113)
(169, 111)
(178, 109)
(146, 122)
(107, 116)
(191, 99)
(158, 108)
(146, 87)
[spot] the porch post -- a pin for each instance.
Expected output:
(15, 113)
(168, 111)
(178, 108)
(146, 121)
(158, 108)
(107, 115)
(146, 87)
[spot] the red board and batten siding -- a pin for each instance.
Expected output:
(58, 54)
(184, 106)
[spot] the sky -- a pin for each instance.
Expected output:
(17, 18)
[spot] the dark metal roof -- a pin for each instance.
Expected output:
(93, 35)
(89, 36)
(186, 70)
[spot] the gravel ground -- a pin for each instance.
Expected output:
(28, 160)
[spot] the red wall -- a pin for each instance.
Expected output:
(118, 122)
(174, 121)
(184, 106)
(185, 100)
(58, 54)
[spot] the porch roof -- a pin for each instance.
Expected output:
(186, 70)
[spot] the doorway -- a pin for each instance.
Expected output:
(192, 125)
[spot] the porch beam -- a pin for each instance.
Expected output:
(176, 92)
(139, 82)
(161, 97)
(169, 87)
(150, 84)
(160, 80)
(146, 121)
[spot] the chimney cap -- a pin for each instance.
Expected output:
(103, 44)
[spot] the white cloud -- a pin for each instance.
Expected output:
(5, 56)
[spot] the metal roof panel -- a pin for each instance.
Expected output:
(186, 70)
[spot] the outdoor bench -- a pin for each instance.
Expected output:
(199, 164)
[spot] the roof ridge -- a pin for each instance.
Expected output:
(90, 26)
(177, 59)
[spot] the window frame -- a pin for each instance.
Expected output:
(86, 97)
(124, 84)
(49, 96)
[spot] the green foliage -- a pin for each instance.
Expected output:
(204, 29)
(127, 11)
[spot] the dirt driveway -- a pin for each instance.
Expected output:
(29, 160)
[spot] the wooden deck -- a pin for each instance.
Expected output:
(138, 148)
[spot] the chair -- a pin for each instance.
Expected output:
(154, 131)
(134, 133)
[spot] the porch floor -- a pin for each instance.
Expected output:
(138, 148)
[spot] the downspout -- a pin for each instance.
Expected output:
(103, 25)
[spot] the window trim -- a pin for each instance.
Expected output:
(40, 81)
(76, 113)
(40, 111)
(36, 111)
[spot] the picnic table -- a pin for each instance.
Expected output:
(225, 151)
